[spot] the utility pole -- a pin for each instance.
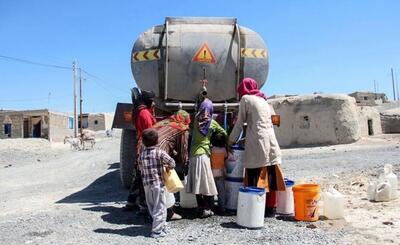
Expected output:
(80, 100)
(394, 90)
(377, 86)
(48, 100)
(397, 90)
(75, 118)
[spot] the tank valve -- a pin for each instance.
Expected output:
(203, 90)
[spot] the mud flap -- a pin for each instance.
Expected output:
(123, 116)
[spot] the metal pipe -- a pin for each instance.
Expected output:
(225, 116)
(186, 105)
(166, 60)
(238, 59)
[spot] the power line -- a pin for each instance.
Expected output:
(104, 81)
(35, 63)
(24, 100)
(106, 85)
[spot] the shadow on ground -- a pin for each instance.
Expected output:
(113, 165)
(103, 191)
(129, 231)
(231, 225)
(288, 218)
(106, 188)
(139, 225)
(115, 215)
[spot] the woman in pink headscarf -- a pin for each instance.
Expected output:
(262, 156)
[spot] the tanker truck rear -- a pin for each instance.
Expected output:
(175, 59)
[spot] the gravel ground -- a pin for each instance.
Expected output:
(71, 197)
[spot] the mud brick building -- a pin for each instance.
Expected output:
(320, 119)
(97, 121)
(42, 123)
(369, 98)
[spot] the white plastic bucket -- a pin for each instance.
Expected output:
(187, 200)
(285, 199)
(251, 207)
(232, 187)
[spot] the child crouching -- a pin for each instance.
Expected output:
(152, 161)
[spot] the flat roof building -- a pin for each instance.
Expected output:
(42, 123)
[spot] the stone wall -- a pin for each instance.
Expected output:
(316, 119)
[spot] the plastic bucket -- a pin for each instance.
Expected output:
(251, 207)
(306, 198)
(234, 164)
(187, 200)
(217, 160)
(232, 187)
(285, 199)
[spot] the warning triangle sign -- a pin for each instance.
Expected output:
(204, 55)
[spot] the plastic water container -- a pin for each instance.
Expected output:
(234, 164)
(234, 172)
(172, 181)
(187, 200)
(333, 204)
(383, 192)
(169, 199)
(391, 178)
(232, 187)
(251, 207)
(371, 191)
(286, 199)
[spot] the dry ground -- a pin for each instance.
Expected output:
(50, 194)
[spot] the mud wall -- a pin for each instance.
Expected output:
(16, 121)
(390, 121)
(369, 121)
(59, 127)
(316, 120)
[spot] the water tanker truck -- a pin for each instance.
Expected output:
(183, 58)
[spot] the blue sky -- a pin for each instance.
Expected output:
(324, 46)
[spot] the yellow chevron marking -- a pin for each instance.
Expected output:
(254, 53)
(146, 55)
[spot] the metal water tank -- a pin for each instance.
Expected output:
(171, 59)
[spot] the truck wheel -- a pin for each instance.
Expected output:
(127, 156)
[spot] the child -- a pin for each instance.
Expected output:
(152, 161)
(218, 156)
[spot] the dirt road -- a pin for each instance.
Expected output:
(53, 195)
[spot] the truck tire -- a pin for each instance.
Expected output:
(127, 156)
